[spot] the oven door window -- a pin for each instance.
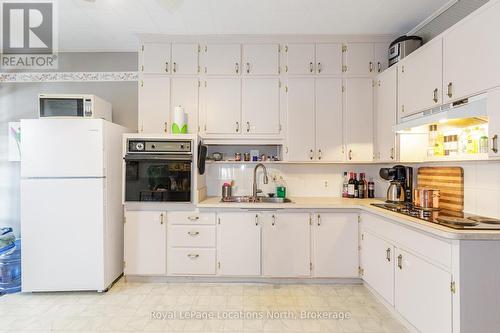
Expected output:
(61, 107)
(158, 180)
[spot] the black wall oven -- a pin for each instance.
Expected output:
(158, 170)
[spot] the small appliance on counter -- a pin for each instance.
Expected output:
(401, 183)
(402, 47)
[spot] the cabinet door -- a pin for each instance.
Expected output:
(185, 59)
(286, 244)
(420, 79)
(300, 59)
(185, 94)
(377, 257)
(155, 58)
(223, 106)
(329, 129)
(381, 51)
(222, 59)
(261, 106)
(470, 57)
(359, 119)
(239, 244)
(329, 59)
(154, 104)
(359, 59)
(145, 243)
(385, 115)
(300, 121)
(422, 293)
(260, 59)
(493, 122)
(335, 245)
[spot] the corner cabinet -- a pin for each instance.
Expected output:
(145, 240)
(385, 96)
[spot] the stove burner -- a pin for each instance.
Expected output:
(456, 221)
(481, 219)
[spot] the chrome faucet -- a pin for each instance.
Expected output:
(266, 180)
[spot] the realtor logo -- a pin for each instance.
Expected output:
(28, 35)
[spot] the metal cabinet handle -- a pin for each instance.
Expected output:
(388, 254)
(379, 69)
(319, 220)
(166, 66)
(237, 67)
(248, 126)
(161, 218)
(193, 255)
(371, 66)
(494, 143)
(311, 67)
(237, 126)
(311, 154)
(193, 233)
(165, 127)
(175, 67)
(392, 153)
(400, 261)
(248, 67)
(450, 90)
(320, 154)
(274, 220)
(319, 67)
(435, 95)
(257, 219)
(350, 154)
(193, 218)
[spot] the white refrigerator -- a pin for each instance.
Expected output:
(71, 207)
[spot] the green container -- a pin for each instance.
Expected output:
(281, 191)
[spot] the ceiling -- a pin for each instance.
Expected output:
(112, 25)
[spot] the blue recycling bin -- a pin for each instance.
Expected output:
(10, 268)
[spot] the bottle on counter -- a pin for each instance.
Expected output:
(351, 186)
(361, 186)
(365, 185)
(371, 189)
(345, 185)
(356, 185)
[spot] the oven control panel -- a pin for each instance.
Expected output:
(159, 146)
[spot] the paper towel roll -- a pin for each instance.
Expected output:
(179, 120)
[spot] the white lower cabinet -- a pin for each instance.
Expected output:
(422, 293)
(145, 239)
(286, 244)
(335, 245)
(239, 244)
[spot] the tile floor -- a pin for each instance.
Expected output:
(150, 307)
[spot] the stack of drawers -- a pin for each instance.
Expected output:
(191, 243)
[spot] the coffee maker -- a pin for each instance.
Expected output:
(401, 183)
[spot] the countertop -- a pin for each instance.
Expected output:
(360, 204)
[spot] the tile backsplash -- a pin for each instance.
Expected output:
(481, 181)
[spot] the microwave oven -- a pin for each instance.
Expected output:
(73, 106)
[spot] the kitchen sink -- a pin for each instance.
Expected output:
(250, 199)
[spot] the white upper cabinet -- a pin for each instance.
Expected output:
(359, 119)
(154, 104)
(260, 106)
(422, 293)
(381, 52)
(185, 59)
(335, 238)
(260, 59)
(300, 58)
(185, 94)
(329, 59)
(359, 59)
(329, 129)
(222, 59)
(239, 244)
(222, 106)
(286, 243)
(494, 122)
(385, 115)
(300, 119)
(420, 79)
(471, 54)
(155, 58)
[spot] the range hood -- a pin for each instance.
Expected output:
(473, 108)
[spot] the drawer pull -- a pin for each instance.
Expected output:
(193, 256)
(193, 218)
(193, 233)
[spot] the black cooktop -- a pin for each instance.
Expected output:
(447, 218)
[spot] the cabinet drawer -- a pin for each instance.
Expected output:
(191, 236)
(192, 261)
(192, 217)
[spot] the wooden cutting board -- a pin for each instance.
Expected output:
(450, 183)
